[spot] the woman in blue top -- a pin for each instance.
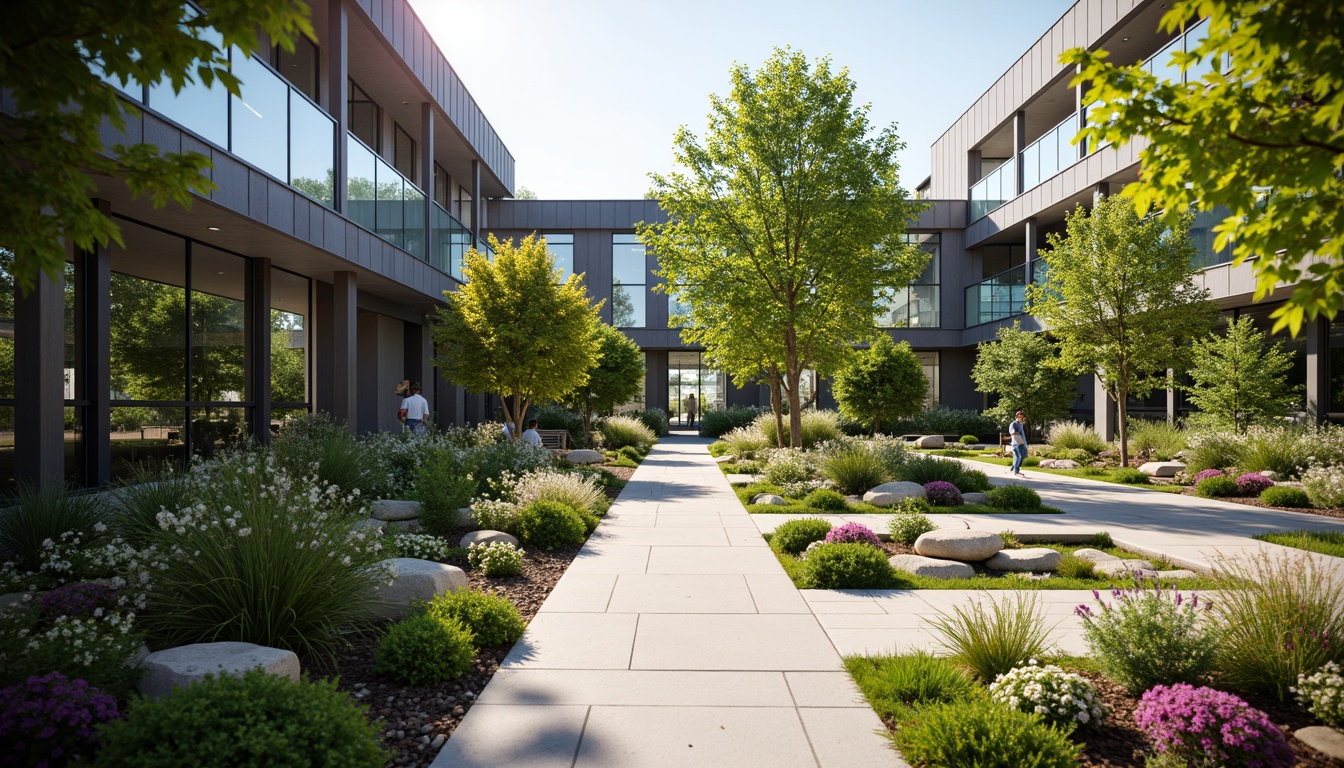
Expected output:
(1017, 435)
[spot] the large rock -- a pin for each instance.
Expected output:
(727, 459)
(975, 498)
(392, 509)
(1162, 468)
(1323, 739)
(1058, 464)
(891, 494)
(414, 580)
(773, 500)
(1095, 556)
(404, 526)
(465, 518)
(189, 664)
(959, 544)
(487, 537)
(931, 441)
(1030, 560)
(1124, 567)
(928, 566)
(585, 456)
(1177, 574)
(18, 600)
(371, 524)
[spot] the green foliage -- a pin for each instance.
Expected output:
(765, 303)
(1015, 497)
(321, 441)
(1258, 138)
(255, 719)
(1120, 296)
(137, 505)
(825, 499)
(718, 422)
(550, 524)
(905, 527)
(498, 559)
(884, 381)
(424, 649)
(1241, 378)
(1216, 487)
(1021, 369)
(1149, 636)
(1280, 618)
(969, 440)
(614, 380)
(492, 619)
(855, 469)
(991, 641)
(927, 469)
(1326, 542)
(1286, 496)
(894, 684)
(101, 650)
(512, 329)
(1156, 439)
(1277, 450)
(984, 734)
(1071, 567)
(718, 448)
(620, 431)
(793, 536)
(787, 465)
(817, 427)
(947, 421)
(973, 481)
(442, 490)
(1213, 451)
(1072, 435)
(655, 419)
(848, 566)
(744, 442)
(42, 512)
(1129, 476)
(556, 416)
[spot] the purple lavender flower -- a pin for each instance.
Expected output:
(942, 494)
(49, 720)
(852, 533)
(1208, 726)
(1084, 611)
(1253, 484)
(80, 600)
(1206, 474)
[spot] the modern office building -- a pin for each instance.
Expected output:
(353, 174)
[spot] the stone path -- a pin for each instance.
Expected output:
(674, 639)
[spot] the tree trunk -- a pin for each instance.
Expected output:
(792, 373)
(1121, 395)
(777, 406)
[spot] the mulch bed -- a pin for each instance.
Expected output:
(416, 720)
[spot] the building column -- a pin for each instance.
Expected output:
(1318, 369)
(478, 231)
(1019, 144)
(1103, 411)
(345, 348)
(1032, 231)
(973, 163)
(1079, 97)
(427, 179)
(93, 337)
(257, 347)
(39, 391)
(336, 46)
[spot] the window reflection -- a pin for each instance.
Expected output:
(260, 117)
(289, 338)
(217, 326)
(202, 110)
(562, 250)
(628, 271)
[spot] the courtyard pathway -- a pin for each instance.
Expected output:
(674, 639)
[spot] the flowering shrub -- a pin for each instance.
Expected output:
(1207, 473)
(802, 489)
(1323, 694)
(49, 720)
(494, 515)
(1057, 696)
(83, 600)
(1207, 727)
(785, 465)
(417, 545)
(579, 491)
(1252, 484)
(94, 649)
(71, 559)
(496, 559)
(942, 494)
(852, 533)
(1324, 486)
(906, 527)
(1148, 636)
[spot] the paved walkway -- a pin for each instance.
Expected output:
(674, 639)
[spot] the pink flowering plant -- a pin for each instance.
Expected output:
(941, 493)
(1056, 696)
(1190, 726)
(1253, 484)
(49, 721)
(82, 600)
(1146, 635)
(852, 533)
(1207, 473)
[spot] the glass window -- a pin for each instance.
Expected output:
(218, 326)
(1032, 172)
(289, 338)
(1336, 383)
(148, 316)
(441, 183)
(359, 183)
(201, 110)
(464, 206)
(260, 119)
(299, 67)
(628, 271)
(403, 155)
(562, 250)
(929, 362)
(312, 147)
(389, 220)
(363, 118)
(678, 311)
(147, 436)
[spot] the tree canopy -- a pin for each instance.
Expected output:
(788, 216)
(883, 382)
(614, 380)
(58, 53)
(1119, 294)
(1021, 368)
(1259, 129)
(513, 329)
(1239, 378)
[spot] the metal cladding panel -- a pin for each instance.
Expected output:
(280, 204)
(256, 194)
(231, 179)
(165, 136)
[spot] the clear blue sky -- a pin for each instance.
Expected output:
(587, 94)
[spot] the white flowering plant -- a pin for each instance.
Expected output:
(787, 465)
(100, 649)
(1057, 696)
(420, 546)
(70, 559)
(1325, 486)
(579, 491)
(1322, 692)
(495, 559)
(495, 515)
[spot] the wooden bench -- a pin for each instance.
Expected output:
(555, 439)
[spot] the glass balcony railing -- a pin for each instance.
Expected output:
(994, 190)
(994, 298)
(383, 201)
(449, 240)
(1051, 153)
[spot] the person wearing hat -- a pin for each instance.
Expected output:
(1017, 435)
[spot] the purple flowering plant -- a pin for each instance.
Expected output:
(86, 599)
(51, 721)
(1207, 473)
(852, 533)
(1208, 727)
(1253, 484)
(942, 494)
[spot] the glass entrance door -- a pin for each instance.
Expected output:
(687, 375)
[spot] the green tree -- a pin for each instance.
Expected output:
(524, 193)
(1021, 369)
(614, 380)
(288, 377)
(55, 54)
(884, 381)
(1260, 132)
(790, 215)
(1119, 295)
(513, 329)
(1239, 378)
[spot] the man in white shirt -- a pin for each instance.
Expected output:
(416, 409)
(530, 435)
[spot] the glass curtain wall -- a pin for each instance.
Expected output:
(916, 305)
(562, 250)
(686, 375)
(291, 315)
(628, 277)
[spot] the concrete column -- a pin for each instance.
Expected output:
(39, 391)
(1103, 411)
(1032, 231)
(336, 47)
(1019, 144)
(345, 348)
(1318, 369)
(1079, 96)
(973, 160)
(257, 347)
(93, 336)
(476, 228)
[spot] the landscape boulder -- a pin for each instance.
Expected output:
(975, 498)
(1177, 574)
(403, 526)
(1123, 567)
(1162, 468)
(371, 524)
(1094, 556)
(772, 499)
(1058, 464)
(932, 567)
(1030, 560)
(931, 441)
(959, 544)
(414, 580)
(585, 456)
(1323, 739)
(891, 494)
(189, 664)
(465, 518)
(392, 510)
(728, 459)
(487, 537)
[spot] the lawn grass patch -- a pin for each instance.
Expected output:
(1323, 542)
(745, 493)
(894, 685)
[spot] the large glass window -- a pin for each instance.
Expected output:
(259, 119)
(312, 149)
(928, 361)
(916, 305)
(289, 339)
(562, 250)
(299, 67)
(687, 375)
(628, 274)
(363, 115)
(403, 155)
(678, 311)
(361, 165)
(217, 326)
(1202, 237)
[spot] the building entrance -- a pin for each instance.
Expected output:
(686, 375)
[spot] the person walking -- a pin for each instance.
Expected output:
(415, 410)
(1017, 435)
(690, 409)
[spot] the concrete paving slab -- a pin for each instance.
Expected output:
(660, 537)
(689, 521)
(880, 642)
(713, 737)
(780, 642)
(713, 560)
(575, 641)
(775, 593)
(889, 621)
(580, 593)
(824, 689)
(516, 736)
(610, 558)
(831, 732)
(668, 593)
(680, 688)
